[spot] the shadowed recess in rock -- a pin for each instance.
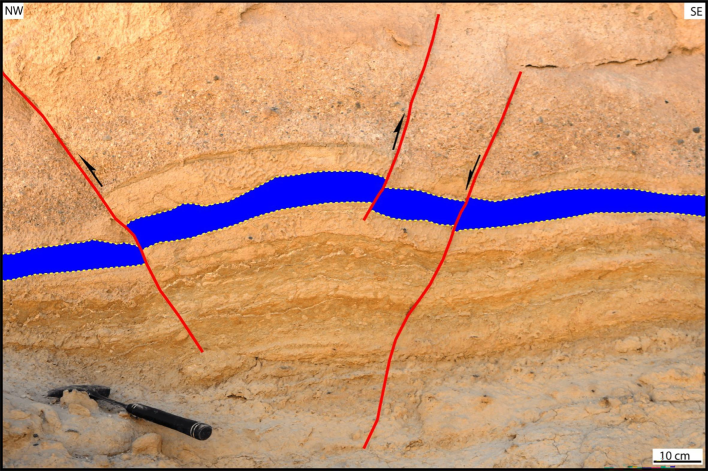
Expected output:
(190, 220)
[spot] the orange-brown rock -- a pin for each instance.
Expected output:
(575, 342)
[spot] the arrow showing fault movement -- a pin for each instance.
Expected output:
(91, 169)
(397, 131)
(469, 178)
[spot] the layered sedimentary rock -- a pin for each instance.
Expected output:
(571, 342)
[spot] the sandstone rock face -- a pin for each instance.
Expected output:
(148, 444)
(575, 342)
(80, 398)
(78, 409)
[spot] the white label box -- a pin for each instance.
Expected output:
(688, 456)
(694, 11)
(13, 11)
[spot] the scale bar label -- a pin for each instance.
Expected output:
(677, 456)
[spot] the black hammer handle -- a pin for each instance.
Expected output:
(189, 427)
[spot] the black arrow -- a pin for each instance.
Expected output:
(469, 178)
(397, 130)
(92, 170)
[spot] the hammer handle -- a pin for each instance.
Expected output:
(189, 427)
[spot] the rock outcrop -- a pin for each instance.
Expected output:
(573, 342)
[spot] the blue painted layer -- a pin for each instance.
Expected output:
(562, 204)
(190, 220)
(71, 257)
(337, 187)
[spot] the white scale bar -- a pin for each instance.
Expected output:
(677, 456)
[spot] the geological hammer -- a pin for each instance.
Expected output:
(189, 427)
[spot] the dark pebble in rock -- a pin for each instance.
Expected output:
(159, 93)
(666, 101)
(618, 135)
(539, 120)
(626, 132)
(35, 435)
(680, 141)
(216, 77)
(35, 444)
(696, 130)
(536, 153)
(98, 58)
(250, 238)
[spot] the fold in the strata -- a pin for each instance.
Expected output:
(190, 220)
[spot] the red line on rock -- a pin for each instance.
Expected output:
(442, 260)
(408, 118)
(115, 218)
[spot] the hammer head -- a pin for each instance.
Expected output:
(89, 388)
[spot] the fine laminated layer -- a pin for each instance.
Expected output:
(296, 191)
